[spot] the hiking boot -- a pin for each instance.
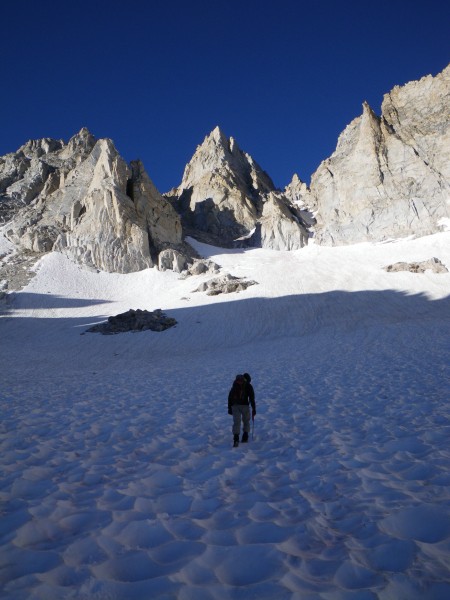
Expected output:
(244, 437)
(235, 441)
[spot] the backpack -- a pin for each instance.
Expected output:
(238, 390)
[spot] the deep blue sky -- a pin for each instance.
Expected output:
(283, 77)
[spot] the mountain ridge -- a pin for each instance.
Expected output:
(388, 177)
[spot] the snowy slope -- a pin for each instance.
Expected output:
(118, 476)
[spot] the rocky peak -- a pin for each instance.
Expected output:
(218, 137)
(297, 191)
(299, 195)
(51, 150)
(221, 156)
(38, 148)
(88, 203)
(390, 175)
(39, 167)
(81, 144)
(361, 129)
(218, 143)
(222, 190)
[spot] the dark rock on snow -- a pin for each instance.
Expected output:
(134, 320)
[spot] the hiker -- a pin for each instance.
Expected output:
(241, 396)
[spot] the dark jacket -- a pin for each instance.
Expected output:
(246, 398)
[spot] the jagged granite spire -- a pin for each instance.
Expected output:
(389, 176)
(223, 190)
(81, 198)
(220, 157)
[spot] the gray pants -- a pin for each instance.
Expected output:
(240, 411)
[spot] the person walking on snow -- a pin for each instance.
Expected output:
(240, 398)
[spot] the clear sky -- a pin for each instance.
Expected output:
(282, 77)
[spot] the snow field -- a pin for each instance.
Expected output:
(118, 476)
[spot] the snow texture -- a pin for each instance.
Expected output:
(118, 479)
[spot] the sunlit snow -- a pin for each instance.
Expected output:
(118, 476)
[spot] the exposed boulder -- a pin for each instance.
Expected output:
(202, 266)
(433, 264)
(226, 284)
(185, 263)
(172, 260)
(134, 320)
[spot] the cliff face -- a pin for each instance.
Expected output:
(389, 176)
(221, 188)
(226, 196)
(83, 199)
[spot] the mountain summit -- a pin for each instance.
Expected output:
(220, 190)
(389, 177)
(219, 160)
(83, 199)
(227, 196)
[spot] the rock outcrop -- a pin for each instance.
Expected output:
(227, 197)
(84, 200)
(299, 194)
(281, 225)
(24, 175)
(226, 284)
(389, 176)
(433, 264)
(134, 320)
